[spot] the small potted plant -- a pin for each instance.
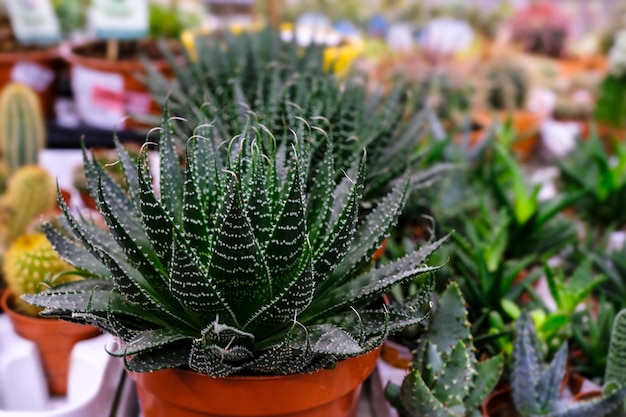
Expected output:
(610, 110)
(536, 385)
(30, 265)
(239, 281)
(446, 379)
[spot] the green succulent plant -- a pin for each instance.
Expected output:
(554, 324)
(535, 385)
(612, 264)
(446, 379)
(507, 87)
(602, 177)
(491, 283)
(535, 227)
(591, 333)
(227, 79)
(238, 267)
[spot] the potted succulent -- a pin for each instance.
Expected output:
(238, 280)
(609, 109)
(446, 379)
(601, 175)
(28, 265)
(536, 385)
(29, 195)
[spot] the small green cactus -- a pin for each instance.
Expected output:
(22, 127)
(30, 263)
(535, 385)
(446, 380)
(507, 87)
(31, 193)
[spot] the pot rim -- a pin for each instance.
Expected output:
(44, 54)
(67, 48)
(259, 378)
(176, 388)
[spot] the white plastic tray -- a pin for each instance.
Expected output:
(94, 378)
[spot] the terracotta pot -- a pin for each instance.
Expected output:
(325, 393)
(587, 395)
(499, 404)
(54, 339)
(37, 69)
(110, 87)
(397, 355)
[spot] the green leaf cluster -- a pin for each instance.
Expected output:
(601, 177)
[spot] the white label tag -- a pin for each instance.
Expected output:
(99, 97)
(33, 75)
(119, 19)
(34, 21)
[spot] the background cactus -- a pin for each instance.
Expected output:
(536, 385)
(22, 127)
(30, 262)
(31, 193)
(446, 379)
(507, 86)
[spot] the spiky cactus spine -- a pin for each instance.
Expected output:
(30, 194)
(22, 128)
(536, 385)
(446, 379)
(29, 262)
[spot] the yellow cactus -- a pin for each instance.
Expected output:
(31, 193)
(22, 126)
(29, 266)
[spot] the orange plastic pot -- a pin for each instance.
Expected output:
(45, 60)
(325, 393)
(54, 339)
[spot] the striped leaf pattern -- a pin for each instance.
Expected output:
(237, 265)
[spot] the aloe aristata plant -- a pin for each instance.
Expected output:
(236, 267)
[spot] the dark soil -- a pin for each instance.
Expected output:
(128, 50)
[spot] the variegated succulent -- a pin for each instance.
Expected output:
(236, 266)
